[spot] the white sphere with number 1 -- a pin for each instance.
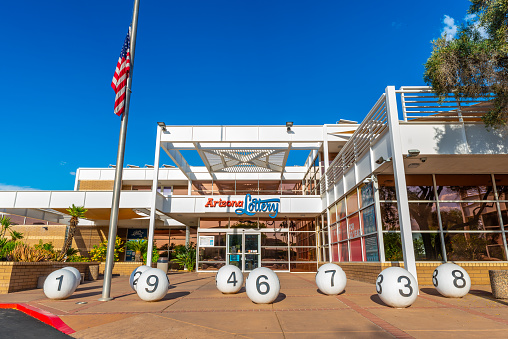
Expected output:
(152, 285)
(60, 284)
(229, 279)
(331, 279)
(262, 286)
(451, 280)
(76, 273)
(396, 287)
(133, 279)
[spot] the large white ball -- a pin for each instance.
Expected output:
(60, 284)
(262, 285)
(331, 279)
(396, 287)
(229, 279)
(133, 279)
(76, 273)
(152, 285)
(451, 280)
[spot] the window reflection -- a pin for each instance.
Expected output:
(464, 187)
(423, 216)
(458, 216)
(474, 246)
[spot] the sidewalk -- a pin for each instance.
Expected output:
(194, 308)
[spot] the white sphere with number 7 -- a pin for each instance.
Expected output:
(229, 279)
(152, 285)
(396, 287)
(451, 280)
(262, 286)
(331, 279)
(133, 279)
(60, 284)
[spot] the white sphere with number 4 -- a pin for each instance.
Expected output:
(451, 280)
(133, 279)
(396, 287)
(262, 286)
(331, 279)
(76, 273)
(60, 284)
(229, 279)
(152, 285)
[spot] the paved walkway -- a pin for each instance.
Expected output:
(194, 308)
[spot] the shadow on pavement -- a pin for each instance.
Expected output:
(175, 295)
(279, 298)
(375, 298)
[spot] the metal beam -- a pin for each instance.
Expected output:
(177, 158)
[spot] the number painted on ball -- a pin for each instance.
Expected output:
(408, 285)
(155, 284)
(333, 274)
(136, 277)
(258, 285)
(457, 278)
(379, 280)
(232, 279)
(60, 283)
(434, 278)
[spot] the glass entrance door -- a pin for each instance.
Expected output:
(244, 251)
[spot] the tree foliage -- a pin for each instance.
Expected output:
(475, 65)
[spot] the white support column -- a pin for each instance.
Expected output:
(153, 204)
(326, 158)
(187, 235)
(400, 181)
(189, 187)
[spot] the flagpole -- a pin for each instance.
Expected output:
(110, 254)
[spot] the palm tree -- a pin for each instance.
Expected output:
(75, 212)
(6, 225)
(138, 246)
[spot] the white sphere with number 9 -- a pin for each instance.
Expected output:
(331, 279)
(451, 280)
(60, 284)
(133, 279)
(396, 287)
(229, 279)
(152, 285)
(262, 285)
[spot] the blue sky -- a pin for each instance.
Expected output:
(198, 62)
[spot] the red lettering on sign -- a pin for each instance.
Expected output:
(209, 203)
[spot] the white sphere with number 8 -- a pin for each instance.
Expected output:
(396, 287)
(331, 279)
(133, 279)
(229, 279)
(451, 280)
(262, 285)
(152, 285)
(60, 284)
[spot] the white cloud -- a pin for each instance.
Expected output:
(470, 17)
(450, 29)
(5, 187)
(72, 173)
(62, 163)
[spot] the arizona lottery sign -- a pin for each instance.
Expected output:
(249, 206)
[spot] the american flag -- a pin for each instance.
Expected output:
(119, 82)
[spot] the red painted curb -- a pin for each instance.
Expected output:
(44, 316)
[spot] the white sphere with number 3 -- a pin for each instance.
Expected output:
(262, 286)
(76, 273)
(229, 279)
(396, 287)
(152, 285)
(133, 279)
(451, 280)
(331, 279)
(60, 284)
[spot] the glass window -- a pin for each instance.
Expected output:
(474, 246)
(343, 230)
(393, 246)
(244, 223)
(386, 187)
(341, 209)
(423, 216)
(212, 254)
(213, 223)
(464, 187)
(354, 226)
(389, 216)
(303, 254)
(333, 214)
(202, 188)
(457, 216)
(224, 187)
(269, 187)
(275, 266)
(369, 220)
(502, 186)
(420, 187)
(344, 251)
(352, 202)
(244, 187)
(427, 246)
(356, 250)
(181, 190)
(274, 254)
(274, 239)
(371, 248)
(335, 253)
(333, 234)
(367, 193)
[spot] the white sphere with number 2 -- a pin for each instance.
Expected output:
(229, 279)
(60, 284)
(76, 273)
(133, 279)
(451, 280)
(262, 286)
(396, 287)
(331, 279)
(152, 285)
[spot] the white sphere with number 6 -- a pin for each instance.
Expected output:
(76, 273)
(133, 279)
(262, 286)
(451, 280)
(396, 287)
(229, 279)
(331, 279)
(152, 285)
(60, 284)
